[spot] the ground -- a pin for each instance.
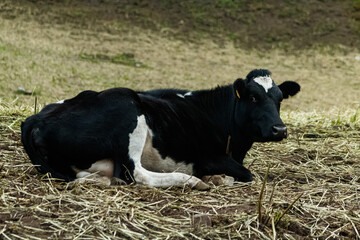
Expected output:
(51, 51)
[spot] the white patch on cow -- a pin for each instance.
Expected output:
(266, 82)
(188, 94)
(180, 95)
(137, 140)
(60, 102)
(152, 161)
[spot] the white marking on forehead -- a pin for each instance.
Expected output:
(266, 82)
(60, 102)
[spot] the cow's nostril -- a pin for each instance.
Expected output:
(279, 131)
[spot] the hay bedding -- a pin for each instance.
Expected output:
(319, 163)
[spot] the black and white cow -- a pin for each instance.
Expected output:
(161, 137)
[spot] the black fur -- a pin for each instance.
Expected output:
(289, 88)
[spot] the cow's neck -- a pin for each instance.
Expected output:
(218, 104)
(221, 105)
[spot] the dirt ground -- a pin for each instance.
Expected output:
(52, 50)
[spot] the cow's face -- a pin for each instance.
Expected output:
(258, 108)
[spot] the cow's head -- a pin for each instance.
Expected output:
(258, 105)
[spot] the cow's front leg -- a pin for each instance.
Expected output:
(224, 165)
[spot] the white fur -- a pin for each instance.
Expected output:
(137, 140)
(266, 82)
(188, 94)
(60, 102)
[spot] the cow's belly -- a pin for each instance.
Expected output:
(152, 160)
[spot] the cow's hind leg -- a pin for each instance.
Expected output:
(145, 177)
(85, 176)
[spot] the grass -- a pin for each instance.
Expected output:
(124, 58)
(318, 162)
(60, 60)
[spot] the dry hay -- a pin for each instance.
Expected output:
(318, 163)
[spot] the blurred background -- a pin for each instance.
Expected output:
(55, 49)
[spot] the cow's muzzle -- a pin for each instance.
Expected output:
(279, 132)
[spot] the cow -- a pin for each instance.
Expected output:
(160, 138)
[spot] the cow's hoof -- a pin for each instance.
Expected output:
(117, 181)
(103, 181)
(202, 186)
(219, 180)
(228, 181)
(93, 179)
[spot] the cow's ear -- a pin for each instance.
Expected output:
(239, 87)
(289, 88)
